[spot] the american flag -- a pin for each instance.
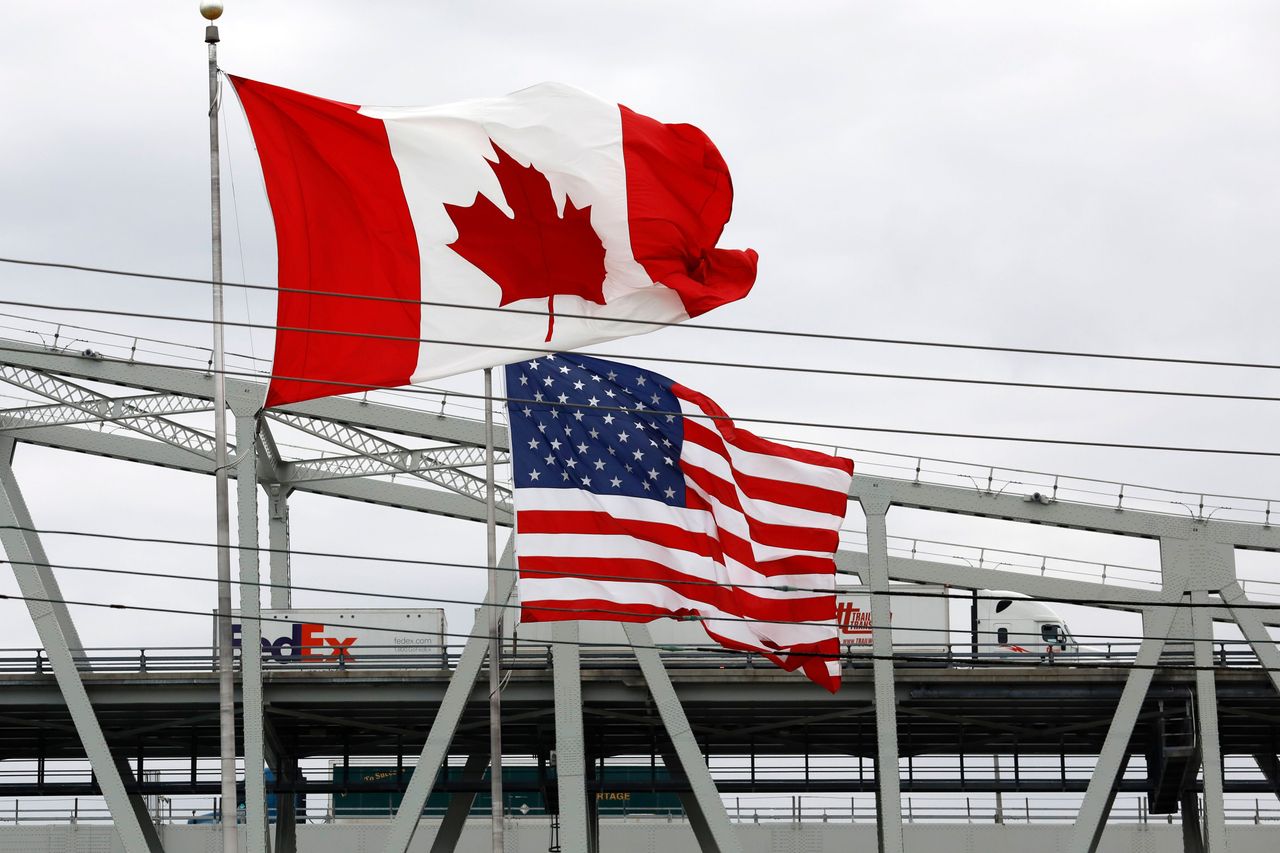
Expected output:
(637, 498)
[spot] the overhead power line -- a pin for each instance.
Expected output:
(357, 387)
(519, 353)
(827, 336)
(422, 599)
(844, 654)
(409, 561)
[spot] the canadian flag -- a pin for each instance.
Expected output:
(463, 236)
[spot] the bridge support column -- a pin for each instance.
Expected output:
(278, 542)
(61, 642)
(460, 802)
(435, 749)
(1215, 818)
(571, 754)
(255, 789)
(719, 832)
(1101, 793)
(888, 780)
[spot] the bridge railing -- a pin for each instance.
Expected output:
(537, 656)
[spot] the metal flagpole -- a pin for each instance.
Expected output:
(495, 627)
(212, 10)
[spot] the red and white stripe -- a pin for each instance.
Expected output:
(758, 514)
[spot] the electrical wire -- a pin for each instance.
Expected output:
(897, 626)
(987, 596)
(814, 424)
(659, 324)
(659, 647)
(522, 350)
(444, 393)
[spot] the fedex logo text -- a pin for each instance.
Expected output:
(306, 640)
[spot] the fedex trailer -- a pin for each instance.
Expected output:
(919, 621)
(344, 637)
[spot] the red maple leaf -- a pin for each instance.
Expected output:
(536, 253)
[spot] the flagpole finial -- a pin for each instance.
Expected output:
(211, 9)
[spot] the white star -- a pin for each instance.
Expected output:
(542, 428)
(622, 436)
(582, 448)
(528, 412)
(616, 483)
(612, 376)
(666, 442)
(653, 473)
(655, 399)
(608, 392)
(670, 493)
(639, 424)
(608, 418)
(533, 444)
(555, 413)
(565, 474)
(667, 459)
(555, 444)
(595, 378)
(639, 407)
(670, 418)
(594, 401)
(645, 484)
(563, 398)
(533, 475)
(551, 459)
(629, 469)
(571, 462)
(599, 464)
(568, 430)
(533, 365)
(577, 414)
(653, 443)
(548, 382)
(524, 380)
(578, 386)
(586, 481)
(639, 380)
(639, 456)
(593, 433)
(612, 452)
(550, 357)
(537, 396)
(564, 368)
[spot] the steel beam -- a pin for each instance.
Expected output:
(436, 748)
(571, 751)
(57, 634)
(1215, 819)
(460, 802)
(888, 780)
(719, 831)
(1009, 506)
(255, 792)
(278, 542)
(1092, 817)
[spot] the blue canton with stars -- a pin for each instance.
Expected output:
(579, 422)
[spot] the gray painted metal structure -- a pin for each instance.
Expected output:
(1197, 564)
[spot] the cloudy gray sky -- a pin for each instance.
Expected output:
(1086, 175)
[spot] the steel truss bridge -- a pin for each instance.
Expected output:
(898, 725)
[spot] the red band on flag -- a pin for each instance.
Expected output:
(679, 197)
(342, 226)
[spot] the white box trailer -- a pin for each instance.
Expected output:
(920, 623)
(341, 637)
